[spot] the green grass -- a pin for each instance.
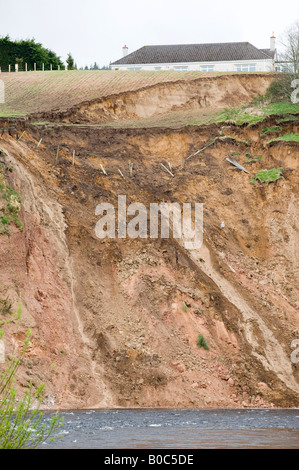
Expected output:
(281, 108)
(271, 129)
(238, 115)
(267, 176)
(285, 138)
(286, 118)
(251, 159)
(202, 343)
(260, 112)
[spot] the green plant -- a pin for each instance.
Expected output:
(198, 308)
(202, 343)
(267, 176)
(5, 303)
(280, 89)
(285, 138)
(11, 205)
(21, 422)
(184, 307)
(271, 129)
(251, 159)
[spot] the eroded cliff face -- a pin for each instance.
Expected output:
(115, 322)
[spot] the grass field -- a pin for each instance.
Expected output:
(46, 91)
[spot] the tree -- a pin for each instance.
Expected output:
(70, 62)
(21, 422)
(26, 51)
(289, 56)
(282, 87)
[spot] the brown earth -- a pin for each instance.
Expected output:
(212, 93)
(115, 322)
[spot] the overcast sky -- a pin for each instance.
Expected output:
(96, 30)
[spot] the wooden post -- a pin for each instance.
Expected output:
(58, 67)
(34, 66)
(16, 67)
(74, 153)
(39, 143)
(9, 68)
(43, 67)
(26, 67)
(51, 67)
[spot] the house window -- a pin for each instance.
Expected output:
(180, 67)
(207, 68)
(245, 67)
(134, 68)
(158, 68)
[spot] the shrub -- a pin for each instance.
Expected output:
(202, 343)
(21, 422)
(280, 89)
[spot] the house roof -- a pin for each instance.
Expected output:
(268, 52)
(181, 53)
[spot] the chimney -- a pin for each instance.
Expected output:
(272, 42)
(125, 51)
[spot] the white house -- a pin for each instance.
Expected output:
(218, 57)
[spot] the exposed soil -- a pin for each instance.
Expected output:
(115, 322)
(205, 93)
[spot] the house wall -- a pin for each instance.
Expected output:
(228, 66)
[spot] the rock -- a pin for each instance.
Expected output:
(262, 386)
(231, 382)
(179, 366)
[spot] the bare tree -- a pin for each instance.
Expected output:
(289, 56)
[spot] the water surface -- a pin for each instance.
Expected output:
(175, 429)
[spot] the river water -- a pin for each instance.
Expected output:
(175, 429)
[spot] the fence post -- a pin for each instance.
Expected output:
(51, 67)
(16, 67)
(58, 67)
(9, 68)
(26, 67)
(2, 95)
(43, 67)
(34, 67)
